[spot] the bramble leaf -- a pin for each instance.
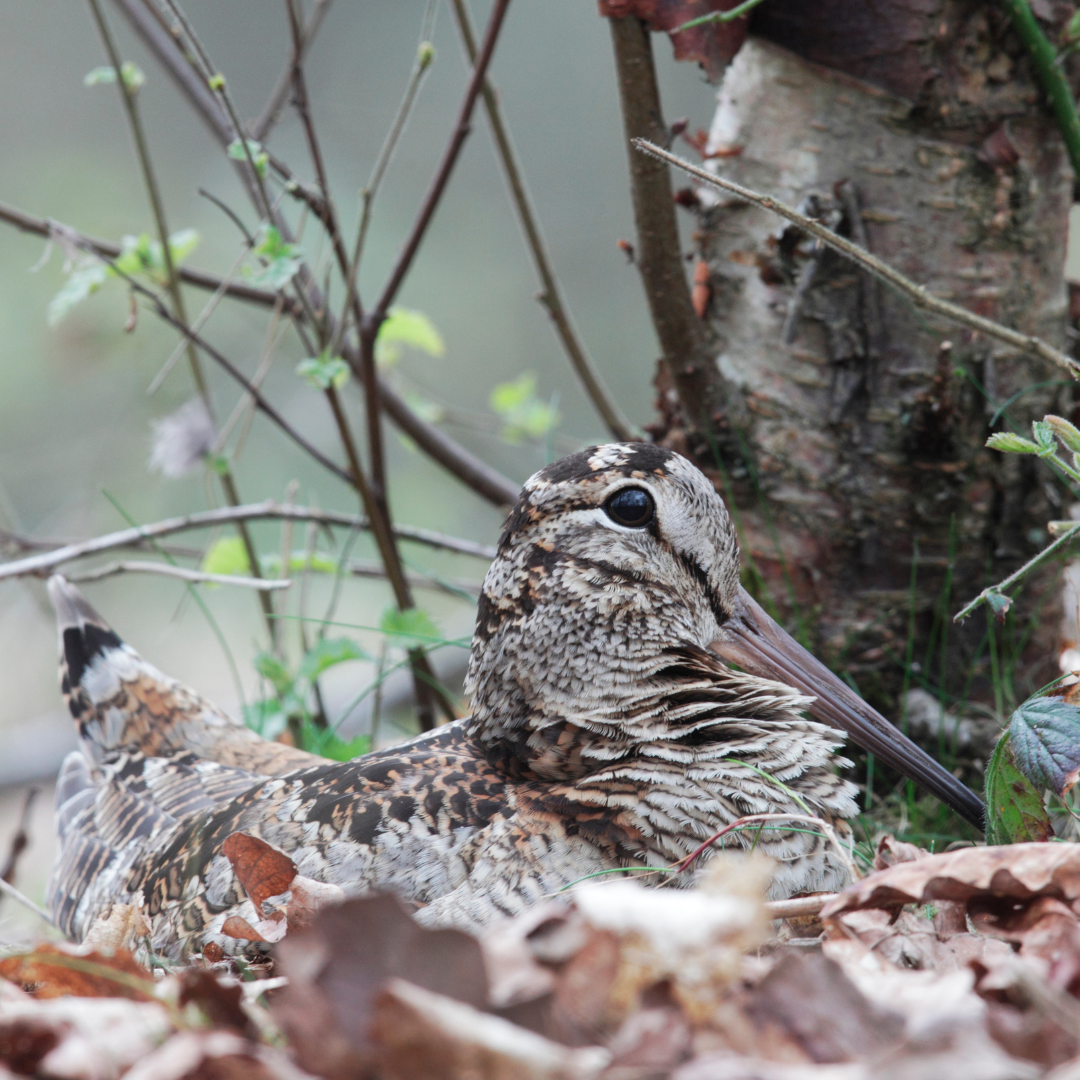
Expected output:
(998, 603)
(328, 744)
(1044, 436)
(227, 556)
(258, 155)
(327, 654)
(324, 371)
(1009, 443)
(409, 629)
(524, 415)
(1014, 809)
(1066, 432)
(1045, 736)
(403, 327)
(282, 260)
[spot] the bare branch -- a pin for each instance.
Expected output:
(269, 510)
(278, 96)
(136, 566)
(550, 296)
(917, 294)
(201, 279)
(442, 174)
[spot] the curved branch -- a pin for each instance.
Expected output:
(37, 565)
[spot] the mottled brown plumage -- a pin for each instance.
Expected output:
(604, 733)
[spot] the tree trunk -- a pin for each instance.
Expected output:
(870, 509)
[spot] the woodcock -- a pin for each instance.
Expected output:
(606, 731)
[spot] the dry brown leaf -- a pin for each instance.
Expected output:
(811, 999)
(51, 971)
(338, 965)
(119, 927)
(92, 1038)
(417, 1033)
(1016, 872)
(214, 1055)
(262, 870)
(219, 999)
(712, 45)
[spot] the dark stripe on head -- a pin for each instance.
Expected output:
(82, 646)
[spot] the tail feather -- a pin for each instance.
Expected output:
(121, 702)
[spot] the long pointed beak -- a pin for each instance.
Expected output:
(759, 645)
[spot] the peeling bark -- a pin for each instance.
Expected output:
(922, 139)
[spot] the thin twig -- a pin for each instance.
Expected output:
(550, 295)
(1048, 552)
(278, 96)
(228, 481)
(21, 840)
(200, 279)
(264, 511)
(442, 174)
(799, 907)
(472, 471)
(917, 294)
(15, 894)
(194, 576)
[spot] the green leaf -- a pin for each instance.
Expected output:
(1071, 32)
(998, 603)
(300, 561)
(1044, 436)
(258, 155)
(410, 628)
(274, 670)
(83, 281)
(129, 72)
(327, 743)
(282, 260)
(227, 556)
(266, 717)
(1008, 443)
(403, 327)
(329, 653)
(324, 371)
(1045, 735)
(524, 415)
(1014, 809)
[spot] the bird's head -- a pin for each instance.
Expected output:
(615, 560)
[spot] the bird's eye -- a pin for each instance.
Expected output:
(631, 507)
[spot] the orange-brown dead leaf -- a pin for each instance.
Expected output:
(51, 971)
(261, 869)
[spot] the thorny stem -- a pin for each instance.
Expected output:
(1055, 548)
(1050, 74)
(228, 482)
(739, 12)
(384, 541)
(550, 296)
(917, 294)
(702, 390)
